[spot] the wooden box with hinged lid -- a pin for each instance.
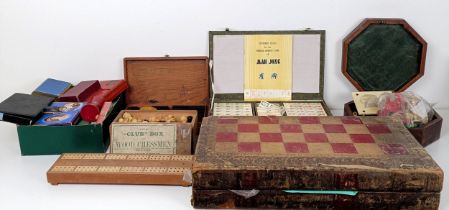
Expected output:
(284, 68)
(387, 55)
(178, 87)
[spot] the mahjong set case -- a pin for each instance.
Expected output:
(229, 77)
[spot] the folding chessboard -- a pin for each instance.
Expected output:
(307, 136)
(373, 155)
(100, 168)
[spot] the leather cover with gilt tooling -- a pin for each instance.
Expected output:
(373, 154)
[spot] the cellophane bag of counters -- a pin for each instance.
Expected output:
(411, 108)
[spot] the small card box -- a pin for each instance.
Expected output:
(367, 103)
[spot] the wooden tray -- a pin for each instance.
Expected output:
(425, 134)
(100, 168)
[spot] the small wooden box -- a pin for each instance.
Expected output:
(227, 58)
(153, 138)
(425, 134)
(169, 83)
(387, 54)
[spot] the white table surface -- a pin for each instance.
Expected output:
(23, 182)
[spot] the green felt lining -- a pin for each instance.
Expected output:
(384, 57)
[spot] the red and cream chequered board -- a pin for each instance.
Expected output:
(339, 136)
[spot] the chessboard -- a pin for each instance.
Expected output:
(307, 136)
(100, 168)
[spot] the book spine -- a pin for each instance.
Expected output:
(424, 181)
(273, 199)
(19, 120)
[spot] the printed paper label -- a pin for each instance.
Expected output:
(268, 67)
(147, 138)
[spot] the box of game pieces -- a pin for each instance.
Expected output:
(312, 163)
(153, 132)
(67, 134)
(267, 73)
(169, 83)
(392, 61)
(46, 125)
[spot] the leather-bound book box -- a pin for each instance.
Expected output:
(284, 68)
(387, 55)
(312, 163)
(179, 88)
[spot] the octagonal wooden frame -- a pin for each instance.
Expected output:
(388, 21)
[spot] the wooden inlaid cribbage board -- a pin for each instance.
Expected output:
(100, 168)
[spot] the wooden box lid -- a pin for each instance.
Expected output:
(167, 81)
(383, 54)
(226, 52)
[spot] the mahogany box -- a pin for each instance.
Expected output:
(312, 163)
(171, 84)
(387, 54)
(227, 57)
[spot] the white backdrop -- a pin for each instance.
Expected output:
(87, 39)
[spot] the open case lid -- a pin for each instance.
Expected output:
(167, 81)
(383, 54)
(226, 52)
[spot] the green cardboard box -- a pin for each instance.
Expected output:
(52, 140)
